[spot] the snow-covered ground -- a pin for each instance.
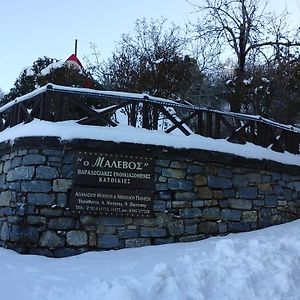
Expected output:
(262, 265)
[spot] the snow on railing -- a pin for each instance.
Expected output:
(93, 107)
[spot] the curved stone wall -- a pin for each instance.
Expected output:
(197, 194)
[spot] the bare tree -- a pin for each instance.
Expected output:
(245, 27)
(152, 59)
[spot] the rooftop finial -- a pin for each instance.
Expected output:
(75, 47)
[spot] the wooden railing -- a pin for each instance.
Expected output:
(92, 107)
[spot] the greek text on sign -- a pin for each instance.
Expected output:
(108, 202)
(114, 170)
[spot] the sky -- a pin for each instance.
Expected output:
(33, 28)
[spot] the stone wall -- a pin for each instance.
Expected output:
(198, 194)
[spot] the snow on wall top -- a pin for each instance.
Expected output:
(68, 130)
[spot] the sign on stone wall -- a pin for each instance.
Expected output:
(112, 184)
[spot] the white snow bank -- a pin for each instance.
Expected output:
(257, 265)
(69, 130)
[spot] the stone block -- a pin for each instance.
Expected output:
(185, 196)
(195, 169)
(14, 186)
(266, 179)
(204, 192)
(36, 220)
(219, 182)
(61, 200)
(225, 172)
(6, 211)
(20, 173)
(181, 204)
(126, 233)
(248, 193)
(2, 181)
(180, 184)
(178, 165)
(50, 212)
(175, 228)
(218, 194)
(68, 158)
(190, 212)
(208, 227)
(174, 173)
(238, 227)
(240, 204)
(286, 177)
(52, 152)
(153, 232)
(161, 187)
(198, 203)
(276, 176)
(51, 239)
(54, 159)
(288, 195)
(222, 227)
(4, 233)
(191, 229)
(24, 234)
(164, 195)
(259, 203)
(15, 220)
(62, 185)
(249, 216)
(6, 166)
(230, 193)
(92, 239)
(77, 238)
(211, 202)
(192, 238)
(34, 159)
(264, 188)
(211, 213)
(22, 152)
(265, 213)
(163, 241)
(162, 162)
(7, 197)
(16, 162)
(108, 241)
(271, 201)
(67, 171)
(231, 215)
(41, 199)
(111, 221)
(36, 186)
(137, 242)
(278, 190)
(105, 229)
(254, 177)
(61, 223)
(45, 172)
(88, 220)
(65, 252)
(240, 180)
(159, 206)
(200, 180)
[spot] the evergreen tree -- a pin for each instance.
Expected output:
(45, 70)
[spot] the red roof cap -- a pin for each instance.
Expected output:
(74, 58)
